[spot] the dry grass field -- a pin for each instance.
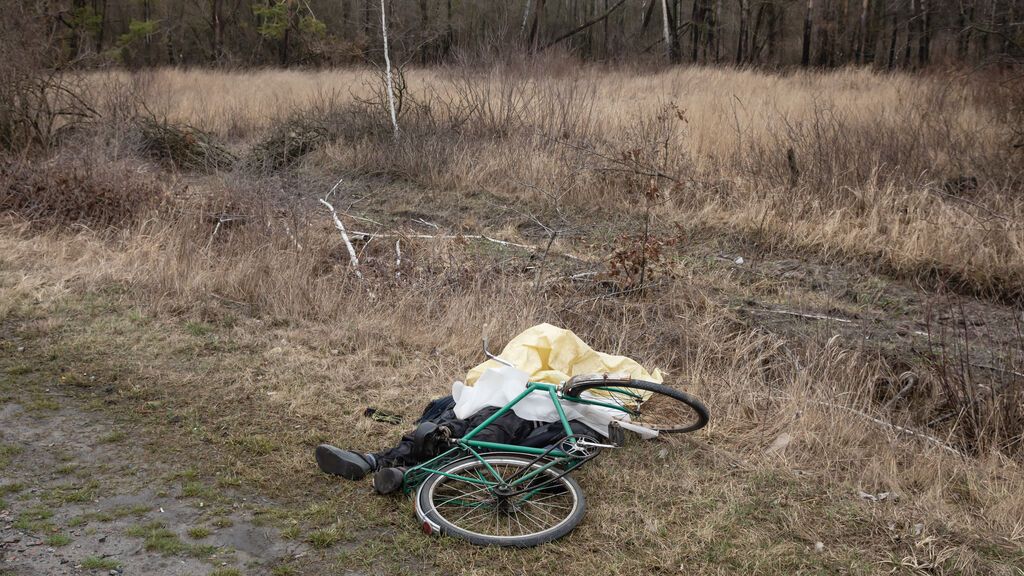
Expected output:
(832, 262)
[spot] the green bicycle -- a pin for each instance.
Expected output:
(508, 495)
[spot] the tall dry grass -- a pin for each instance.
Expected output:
(327, 345)
(916, 174)
(872, 159)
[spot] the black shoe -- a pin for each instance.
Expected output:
(344, 463)
(388, 480)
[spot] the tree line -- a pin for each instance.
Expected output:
(904, 34)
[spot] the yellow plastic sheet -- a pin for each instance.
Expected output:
(552, 355)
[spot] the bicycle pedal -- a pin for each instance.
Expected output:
(616, 435)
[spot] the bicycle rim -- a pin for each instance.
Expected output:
(534, 512)
(651, 405)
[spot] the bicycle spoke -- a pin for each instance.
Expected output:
(542, 504)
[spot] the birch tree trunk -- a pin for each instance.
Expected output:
(741, 42)
(526, 18)
(388, 79)
(669, 33)
(911, 27)
(862, 32)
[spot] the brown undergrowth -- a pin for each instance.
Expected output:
(254, 326)
(235, 304)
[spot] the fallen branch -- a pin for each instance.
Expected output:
(221, 220)
(341, 228)
(295, 240)
(900, 429)
(398, 258)
(372, 235)
(800, 315)
(543, 260)
(997, 369)
(584, 26)
(426, 223)
(209, 243)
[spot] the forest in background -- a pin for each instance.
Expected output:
(887, 34)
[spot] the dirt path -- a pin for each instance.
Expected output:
(78, 497)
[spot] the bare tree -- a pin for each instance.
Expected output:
(586, 25)
(669, 33)
(744, 31)
(805, 57)
(388, 78)
(425, 30)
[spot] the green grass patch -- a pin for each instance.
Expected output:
(198, 328)
(41, 403)
(67, 469)
(35, 519)
(324, 537)
(20, 369)
(157, 538)
(78, 521)
(223, 522)
(7, 453)
(97, 563)
(197, 490)
(292, 532)
(73, 494)
(284, 570)
(113, 437)
(118, 512)
(199, 532)
(12, 488)
(255, 445)
(58, 540)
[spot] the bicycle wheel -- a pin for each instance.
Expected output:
(651, 405)
(478, 502)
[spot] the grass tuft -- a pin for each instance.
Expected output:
(58, 540)
(98, 563)
(324, 537)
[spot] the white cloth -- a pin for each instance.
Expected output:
(496, 387)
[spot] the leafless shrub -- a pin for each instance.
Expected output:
(494, 103)
(182, 147)
(73, 192)
(38, 100)
(377, 103)
(288, 142)
(981, 397)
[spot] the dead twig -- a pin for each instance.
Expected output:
(800, 315)
(341, 228)
(360, 235)
(901, 429)
(632, 167)
(398, 258)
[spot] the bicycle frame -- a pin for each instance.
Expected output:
(466, 445)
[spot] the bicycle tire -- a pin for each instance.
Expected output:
(436, 509)
(658, 411)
